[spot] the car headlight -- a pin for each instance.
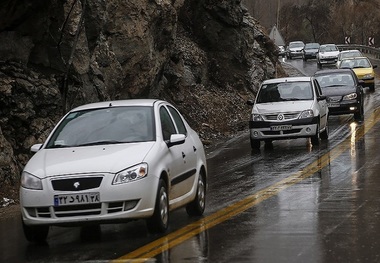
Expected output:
(131, 174)
(368, 76)
(257, 117)
(351, 96)
(307, 114)
(30, 181)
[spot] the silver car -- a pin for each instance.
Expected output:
(287, 108)
(114, 161)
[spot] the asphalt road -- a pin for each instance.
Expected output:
(288, 203)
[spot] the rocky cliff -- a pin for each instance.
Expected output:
(205, 56)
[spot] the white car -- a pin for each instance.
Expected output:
(327, 54)
(113, 162)
(287, 108)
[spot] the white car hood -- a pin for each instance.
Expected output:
(286, 106)
(89, 159)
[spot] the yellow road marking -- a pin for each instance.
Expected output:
(160, 245)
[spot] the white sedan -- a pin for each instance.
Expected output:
(287, 108)
(113, 162)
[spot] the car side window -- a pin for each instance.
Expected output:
(178, 121)
(167, 124)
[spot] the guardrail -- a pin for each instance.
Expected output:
(372, 51)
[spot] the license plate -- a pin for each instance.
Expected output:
(333, 105)
(75, 199)
(281, 127)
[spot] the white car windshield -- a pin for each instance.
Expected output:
(104, 126)
(285, 91)
(295, 45)
(328, 48)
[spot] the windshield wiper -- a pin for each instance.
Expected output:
(99, 143)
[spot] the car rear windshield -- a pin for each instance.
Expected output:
(104, 126)
(337, 80)
(285, 91)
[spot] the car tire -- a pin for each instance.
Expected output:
(360, 114)
(372, 87)
(255, 144)
(159, 221)
(197, 206)
(35, 234)
(319, 65)
(315, 138)
(325, 134)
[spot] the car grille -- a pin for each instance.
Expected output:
(293, 131)
(284, 116)
(334, 99)
(76, 184)
(81, 210)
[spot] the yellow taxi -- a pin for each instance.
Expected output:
(363, 69)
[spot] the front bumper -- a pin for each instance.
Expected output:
(343, 107)
(118, 203)
(300, 128)
(328, 60)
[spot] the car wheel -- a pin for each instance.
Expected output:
(360, 114)
(197, 207)
(35, 234)
(319, 65)
(255, 144)
(372, 87)
(315, 138)
(325, 133)
(159, 221)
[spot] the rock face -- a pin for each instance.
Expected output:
(205, 56)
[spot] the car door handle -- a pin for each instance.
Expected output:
(183, 155)
(195, 149)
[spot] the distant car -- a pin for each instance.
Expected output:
(111, 162)
(327, 54)
(287, 108)
(348, 54)
(343, 91)
(310, 51)
(363, 69)
(294, 49)
(281, 51)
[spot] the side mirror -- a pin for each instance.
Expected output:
(250, 102)
(36, 147)
(322, 97)
(374, 66)
(176, 139)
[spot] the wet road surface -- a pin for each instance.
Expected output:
(290, 202)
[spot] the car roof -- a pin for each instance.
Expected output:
(286, 79)
(325, 45)
(355, 58)
(333, 70)
(350, 50)
(117, 103)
